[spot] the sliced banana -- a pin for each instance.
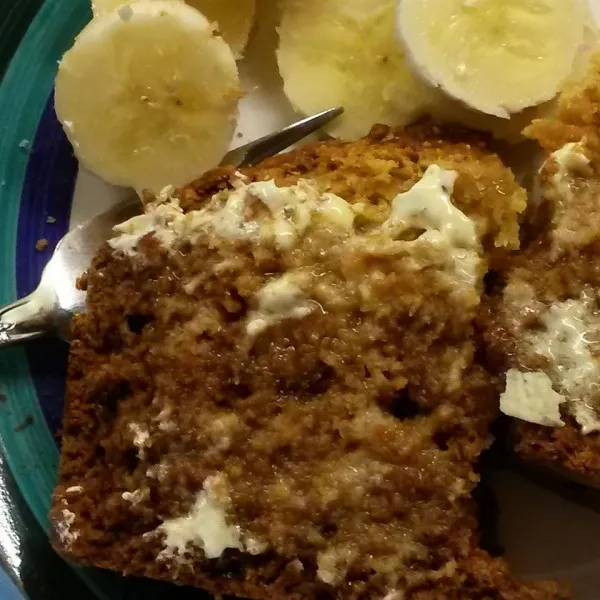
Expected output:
(497, 56)
(234, 18)
(148, 95)
(342, 53)
(102, 7)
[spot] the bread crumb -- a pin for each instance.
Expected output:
(27, 422)
(41, 244)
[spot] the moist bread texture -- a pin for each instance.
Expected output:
(333, 452)
(557, 271)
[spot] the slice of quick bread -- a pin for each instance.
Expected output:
(273, 391)
(544, 325)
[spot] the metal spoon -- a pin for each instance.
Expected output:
(49, 308)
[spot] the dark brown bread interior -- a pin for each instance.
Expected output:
(358, 430)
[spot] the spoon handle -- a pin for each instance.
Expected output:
(10, 335)
(269, 145)
(18, 323)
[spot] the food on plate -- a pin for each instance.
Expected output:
(234, 17)
(148, 95)
(287, 374)
(273, 391)
(334, 52)
(497, 56)
(544, 329)
(339, 53)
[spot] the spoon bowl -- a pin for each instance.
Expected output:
(50, 308)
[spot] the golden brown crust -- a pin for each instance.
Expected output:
(577, 114)
(376, 168)
(561, 448)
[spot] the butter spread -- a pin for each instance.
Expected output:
(530, 397)
(336, 210)
(569, 341)
(291, 210)
(426, 210)
(586, 416)
(156, 220)
(422, 222)
(279, 300)
(333, 564)
(427, 206)
(205, 526)
(141, 438)
(63, 528)
(289, 213)
(569, 159)
(134, 497)
(570, 336)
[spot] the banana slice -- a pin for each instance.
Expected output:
(148, 95)
(103, 7)
(342, 53)
(234, 18)
(497, 56)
